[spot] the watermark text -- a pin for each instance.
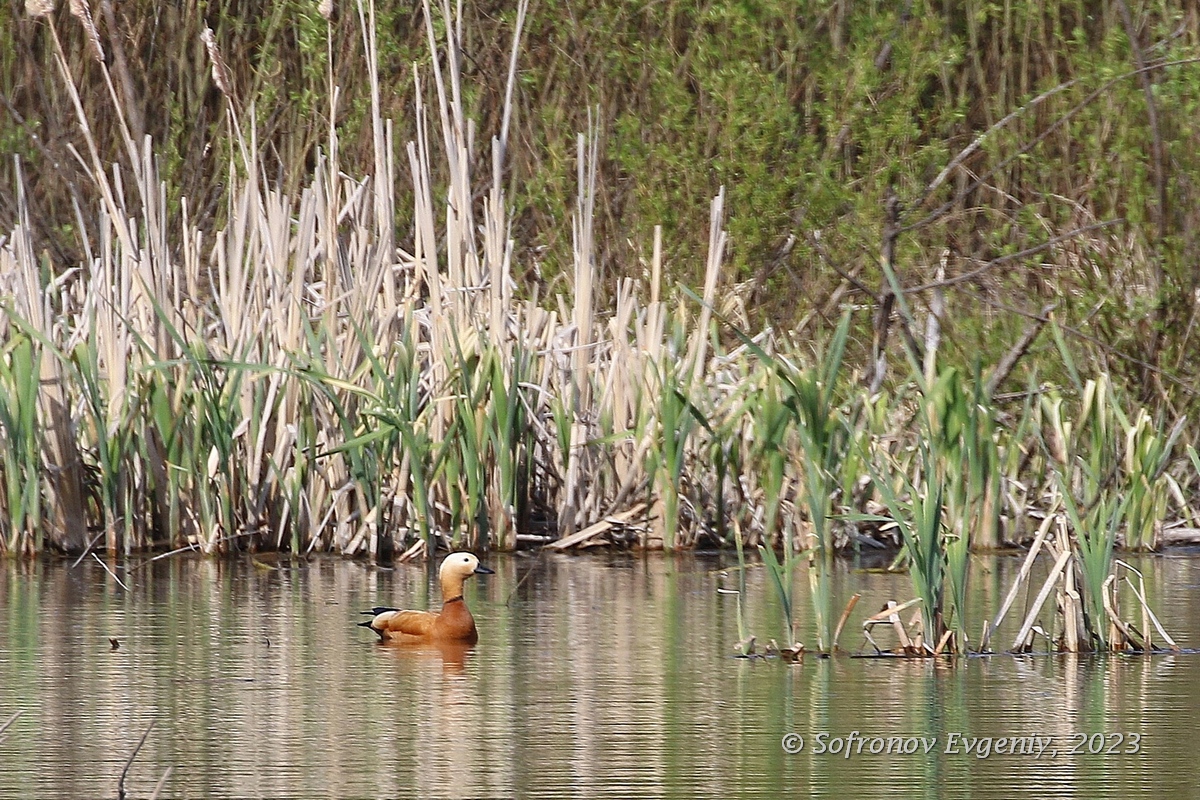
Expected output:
(856, 744)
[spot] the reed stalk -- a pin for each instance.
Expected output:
(916, 508)
(20, 516)
(1095, 527)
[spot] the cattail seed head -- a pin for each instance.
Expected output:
(325, 8)
(39, 8)
(220, 71)
(81, 12)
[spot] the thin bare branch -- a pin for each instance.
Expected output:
(1009, 362)
(121, 795)
(110, 572)
(941, 210)
(1026, 253)
(10, 721)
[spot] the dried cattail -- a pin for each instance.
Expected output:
(325, 9)
(39, 8)
(81, 12)
(220, 71)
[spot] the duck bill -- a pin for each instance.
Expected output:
(482, 570)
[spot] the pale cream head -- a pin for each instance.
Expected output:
(459, 565)
(455, 570)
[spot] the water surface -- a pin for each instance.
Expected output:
(596, 676)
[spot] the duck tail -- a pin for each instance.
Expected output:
(375, 612)
(370, 625)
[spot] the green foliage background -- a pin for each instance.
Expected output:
(808, 111)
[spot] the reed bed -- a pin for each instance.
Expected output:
(293, 379)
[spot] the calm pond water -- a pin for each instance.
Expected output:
(596, 676)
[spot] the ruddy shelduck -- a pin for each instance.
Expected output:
(453, 623)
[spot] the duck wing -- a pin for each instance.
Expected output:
(377, 610)
(409, 623)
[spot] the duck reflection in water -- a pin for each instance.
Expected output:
(453, 655)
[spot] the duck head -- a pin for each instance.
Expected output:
(455, 569)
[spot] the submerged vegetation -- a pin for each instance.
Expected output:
(367, 365)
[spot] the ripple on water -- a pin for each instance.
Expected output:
(596, 677)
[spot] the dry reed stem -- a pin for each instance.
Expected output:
(1022, 576)
(1118, 625)
(1059, 564)
(1140, 592)
(1074, 626)
(890, 615)
(716, 253)
(837, 632)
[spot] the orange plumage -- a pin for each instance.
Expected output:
(453, 623)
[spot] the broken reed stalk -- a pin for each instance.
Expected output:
(837, 632)
(1048, 586)
(1148, 613)
(890, 615)
(1022, 577)
(1128, 636)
